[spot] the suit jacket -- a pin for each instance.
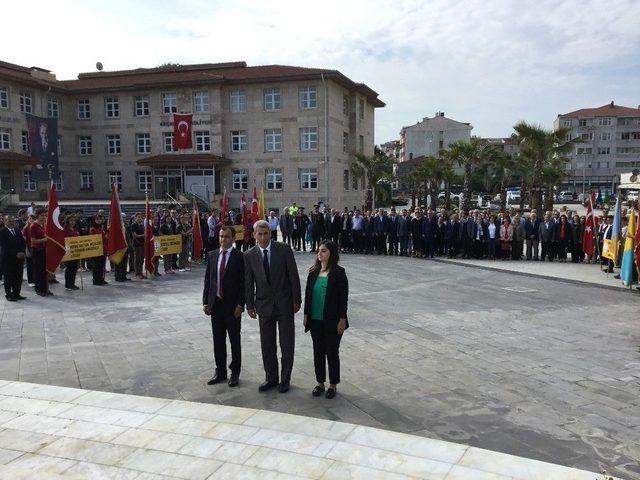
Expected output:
(336, 297)
(429, 226)
(232, 282)
(286, 224)
(532, 229)
(393, 221)
(283, 288)
(548, 234)
(11, 245)
(404, 226)
(335, 226)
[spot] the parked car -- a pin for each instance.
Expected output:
(565, 196)
(632, 195)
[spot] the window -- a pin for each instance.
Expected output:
(111, 107)
(84, 110)
(604, 151)
(25, 141)
(203, 141)
(113, 144)
(354, 182)
(630, 136)
(53, 108)
(586, 136)
(58, 182)
(115, 178)
(582, 122)
(274, 179)
(239, 141)
(309, 138)
(169, 102)
(345, 105)
(85, 145)
(25, 102)
(602, 165)
(141, 106)
(28, 182)
(238, 101)
(308, 97)
(143, 142)
(144, 181)
(584, 151)
(309, 178)
(345, 179)
(361, 143)
(625, 121)
(566, 123)
(167, 140)
(5, 139)
(240, 180)
(567, 137)
(273, 140)
(605, 136)
(271, 99)
(201, 102)
(361, 109)
(4, 98)
(86, 180)
(604, 121)
(345, 142)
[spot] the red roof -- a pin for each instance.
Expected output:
(608, 110)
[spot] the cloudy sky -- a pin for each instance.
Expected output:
(488, 62)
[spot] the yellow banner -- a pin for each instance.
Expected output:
(239, 229)
(83, 247)
(610, 249)
(167, 244)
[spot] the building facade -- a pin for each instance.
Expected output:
(608, 144)
(292, 130)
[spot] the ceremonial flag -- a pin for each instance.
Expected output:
(636, 243)
(148, 241)
(224, 206)
(626, 268)
(197, 233)
(117, 244)
(245, 216)
(254, 206)
(610, 246)
(261, 211)
(182, 130)
(55, 246)
(589, 229)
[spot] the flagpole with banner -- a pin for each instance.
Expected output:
(117, 244)
(149, 266)
(55, 247)
(610, 245)
(626, 266)
(196, 232)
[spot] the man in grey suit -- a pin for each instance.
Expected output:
(272, 291)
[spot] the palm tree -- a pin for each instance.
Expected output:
(374, 168)
(541, 147)
(552, 174)
(502, 169)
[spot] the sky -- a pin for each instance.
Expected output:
(488, 62)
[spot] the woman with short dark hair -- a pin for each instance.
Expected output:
(325, 314)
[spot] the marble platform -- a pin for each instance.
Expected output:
(49, 432)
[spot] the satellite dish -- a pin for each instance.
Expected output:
(99, 66)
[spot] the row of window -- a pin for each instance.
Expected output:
(607, 150)
(600, 121)
(605, 136)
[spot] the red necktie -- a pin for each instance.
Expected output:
(222, 267)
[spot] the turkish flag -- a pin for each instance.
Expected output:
(117, 244)
(255, 216)
(182, 130)
(149, 248)
(55, 247)
(197, 233)
(589, 230)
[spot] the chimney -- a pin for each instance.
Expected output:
(442, 114)
(611, 105)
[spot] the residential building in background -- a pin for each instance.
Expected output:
(292, 130)
(608, 145)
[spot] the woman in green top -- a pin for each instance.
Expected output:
(325, 314)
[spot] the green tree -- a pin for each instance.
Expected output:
(373, 169)
(502, 168)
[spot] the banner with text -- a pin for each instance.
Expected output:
(167, 244)
(87, 246)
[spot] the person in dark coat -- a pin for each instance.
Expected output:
(429, 225)
(325, 315)
(392, 221)
(532, 232)
(369, 236)
(577, 232)
(13, 246)
(416, 234)
(404, 232)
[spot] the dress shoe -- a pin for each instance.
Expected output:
(49, 294)
(331, 392)
(283, 387)
(317, 391)
(268, 385)
(20, 297)
(41, 294)
(234, 380)
(11, 299)
(217, 378)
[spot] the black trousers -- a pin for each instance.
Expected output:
(40, 270)
(30, 270)
(286, 335)
(381, 244)
(98, 269)
(12, 272)
(316, 238)
(120, 269)
(274, 235)
(548, 251)
(358, 243)
(326, 347)
(393, 245)
(70, 273)
(138, 253)
(223, 323)
(429, 245)
(404, 245)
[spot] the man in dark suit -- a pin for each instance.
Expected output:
(547, 235)
(272, 293)
(223, 299)
(335, 227)
(404, 230)
(393, 232)
(531, 231)
(13, 248)
(45, 146)
(429, 226)
(381, 230)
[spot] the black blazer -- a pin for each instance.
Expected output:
(11, 245)
(232, 283)
(336, 299)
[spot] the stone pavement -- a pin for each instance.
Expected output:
(521, 365)
(67, 433)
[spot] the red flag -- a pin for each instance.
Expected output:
(197, 233)
(589, 229)
(148, 242)
(245, 217)
(255, 216)
(117, 244)
(182, 130)
(55, 246)
(224, 207)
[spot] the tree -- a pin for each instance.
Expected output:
(552, 174)
(372, 168)
(541, 147)
(502, 168)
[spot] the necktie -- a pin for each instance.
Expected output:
(221, 272)
(265, 262)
